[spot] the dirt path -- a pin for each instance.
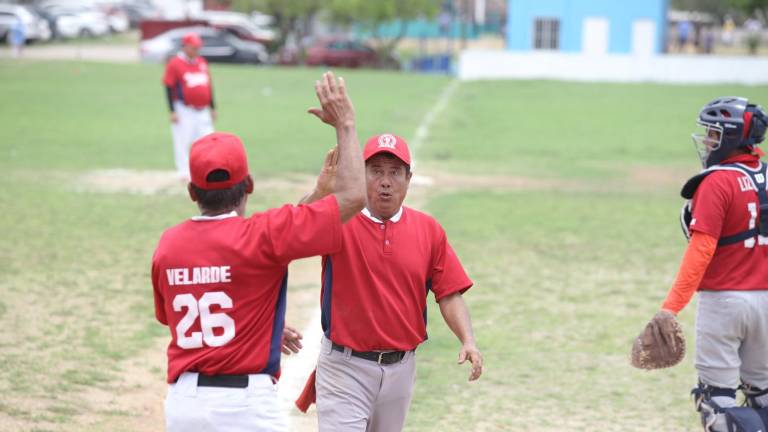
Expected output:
(100, 53)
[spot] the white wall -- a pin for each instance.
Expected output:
(681, 69)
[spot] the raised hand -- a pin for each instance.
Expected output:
(335, 107)
(326, 181)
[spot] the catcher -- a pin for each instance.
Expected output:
(726, 222)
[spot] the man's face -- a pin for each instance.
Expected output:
(191, 51)
(713, 139)
(387, 181)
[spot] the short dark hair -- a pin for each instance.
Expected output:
(219, 200)
(391, 156)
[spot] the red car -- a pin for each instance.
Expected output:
(340, 52)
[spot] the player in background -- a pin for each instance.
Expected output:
(189, 91)
(374, 299)
(220, 278)
(726, 261)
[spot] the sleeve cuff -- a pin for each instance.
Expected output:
(462, 288)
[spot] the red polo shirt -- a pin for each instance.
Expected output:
(374, 294)
(220, 285)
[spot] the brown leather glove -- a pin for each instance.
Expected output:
(660, 345)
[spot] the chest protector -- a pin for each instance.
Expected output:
(757, 181)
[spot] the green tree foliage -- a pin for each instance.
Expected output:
(372, 15)
(718, 8)
(752, 7)
(295, 17)
(291, 16)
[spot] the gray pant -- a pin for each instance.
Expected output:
(359, 395)
(732, 338)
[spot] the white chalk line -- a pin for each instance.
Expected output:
(297, 367)
(422, 131)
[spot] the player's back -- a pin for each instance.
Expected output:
(223, 293)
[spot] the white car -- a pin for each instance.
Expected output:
(240, 24)
(37, 29)
(117, 19)
(74, 22)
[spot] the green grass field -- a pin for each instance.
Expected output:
(560, 198)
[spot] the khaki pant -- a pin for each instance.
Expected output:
(358, 395)
(732, 338)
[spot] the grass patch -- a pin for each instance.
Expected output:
(563, 283)
(553, 129)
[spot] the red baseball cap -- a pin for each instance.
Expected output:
(387, 143)
(192, 39)
(218, 151)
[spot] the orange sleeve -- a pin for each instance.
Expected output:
(695, 262)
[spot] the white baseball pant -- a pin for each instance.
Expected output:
(192, 124)
(212, 409)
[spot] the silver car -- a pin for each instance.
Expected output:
(218, 46)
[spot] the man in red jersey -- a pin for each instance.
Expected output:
(220, 278)
(727, 263)
(189, 92)
(374, 293)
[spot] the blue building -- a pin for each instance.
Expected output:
(587, 26)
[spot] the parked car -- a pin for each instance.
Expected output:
(218, 46)
(138, 12)
(116, 18)
(340, 52)
(78, 21)
(36, 27)
(239, 24)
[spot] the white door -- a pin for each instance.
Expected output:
(643, 38)
(594, 37)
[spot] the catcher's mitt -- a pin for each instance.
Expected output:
(660, 345)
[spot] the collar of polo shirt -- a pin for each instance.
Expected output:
(393, 219)
(217, 217)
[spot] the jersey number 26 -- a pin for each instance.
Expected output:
(208, 320)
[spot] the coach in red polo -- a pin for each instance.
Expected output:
(374, 299)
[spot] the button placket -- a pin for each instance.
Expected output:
(386, 226)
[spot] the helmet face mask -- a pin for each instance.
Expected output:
(708, 142)
(729, 123)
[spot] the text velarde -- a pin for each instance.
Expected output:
(198, 275)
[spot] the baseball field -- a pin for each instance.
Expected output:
(561, 199)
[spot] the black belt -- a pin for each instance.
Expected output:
(385, 358)
(230, 381)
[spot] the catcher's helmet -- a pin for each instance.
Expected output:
(730, 123)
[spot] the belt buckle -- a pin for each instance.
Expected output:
(381, 357)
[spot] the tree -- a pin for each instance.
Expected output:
(752, 7)
(291, 16)
(372, 15)
(718, 8)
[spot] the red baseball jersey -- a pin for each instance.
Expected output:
(726, 204)
(220, 285)
(374, 290)
(189, 79)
